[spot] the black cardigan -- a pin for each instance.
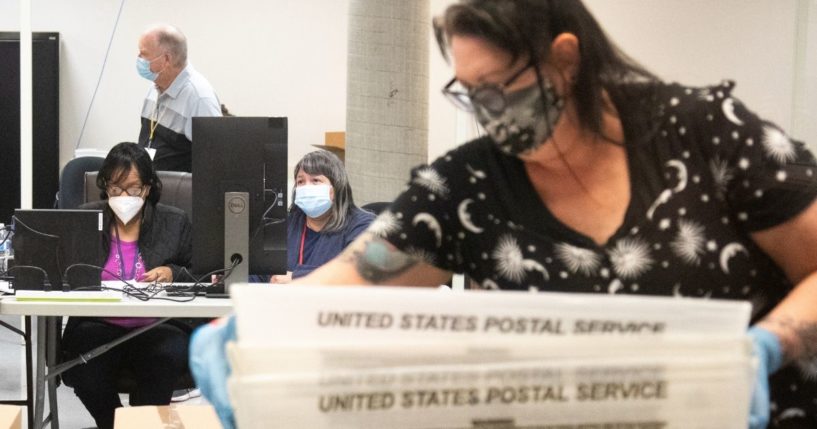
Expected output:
(164, 237)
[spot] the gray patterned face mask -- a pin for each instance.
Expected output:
(526, 121)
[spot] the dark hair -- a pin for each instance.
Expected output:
(526, 28)
(323, 162)
(118, 163)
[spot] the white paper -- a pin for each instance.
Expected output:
(406, 358)
(289, 315)
(678, 394)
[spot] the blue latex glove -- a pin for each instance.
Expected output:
(769, 354)
(209, 365)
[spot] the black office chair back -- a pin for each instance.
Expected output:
(177, 190)
(71, 193)
(376, 207)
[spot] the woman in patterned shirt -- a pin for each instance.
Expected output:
(596, 176)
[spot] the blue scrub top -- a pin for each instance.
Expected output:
(320, 247)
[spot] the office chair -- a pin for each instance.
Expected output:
(376, 207)
(72, 181)
(177, 190)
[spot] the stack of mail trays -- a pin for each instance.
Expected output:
(349, 357)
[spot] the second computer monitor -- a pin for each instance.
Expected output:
(240, 156)
(57, 249)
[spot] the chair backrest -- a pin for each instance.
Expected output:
(376, 207)
(72, 181)
(177, 190)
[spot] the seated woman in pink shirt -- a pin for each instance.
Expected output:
(144, 241)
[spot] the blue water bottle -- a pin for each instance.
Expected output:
(5, 245)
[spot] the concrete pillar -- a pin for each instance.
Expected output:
(805, 69)
(387, 95)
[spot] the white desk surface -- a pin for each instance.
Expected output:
(128, 307)
(199, 307)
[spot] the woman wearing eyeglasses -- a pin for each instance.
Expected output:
(144, 241)
(594, 176)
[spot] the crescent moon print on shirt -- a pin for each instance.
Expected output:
(705, 172)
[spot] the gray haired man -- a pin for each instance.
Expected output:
(178, 94)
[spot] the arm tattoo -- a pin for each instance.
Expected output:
(800, 339)
(379, 261)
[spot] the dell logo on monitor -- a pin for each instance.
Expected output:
(236, 205)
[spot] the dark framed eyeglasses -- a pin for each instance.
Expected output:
(133, 191)
(490, 96)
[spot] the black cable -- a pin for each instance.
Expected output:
(16, 267)
(229, 271)
(46, 282)
(101, 72)
(150, 293)
(57, 252)
(173, 299)
(271, 206)
(263, 221)
(17, 220)
(101, 270)
(198, 282)
(129, 289)
(138, 294)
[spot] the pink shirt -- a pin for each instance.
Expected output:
(125, 260)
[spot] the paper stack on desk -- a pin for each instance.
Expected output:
(323, 357)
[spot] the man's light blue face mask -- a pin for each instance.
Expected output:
(143, 68)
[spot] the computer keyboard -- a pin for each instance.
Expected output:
(182, 289)
(172, 289)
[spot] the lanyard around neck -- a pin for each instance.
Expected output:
(301, 251)
(154, 120)
(122, 258)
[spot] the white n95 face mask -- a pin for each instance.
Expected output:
(126, 207)
(314, 200)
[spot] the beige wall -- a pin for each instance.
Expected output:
(288, 57)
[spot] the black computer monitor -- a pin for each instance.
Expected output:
(245, 155)
(49, 243)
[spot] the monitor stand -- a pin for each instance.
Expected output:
(236, 239)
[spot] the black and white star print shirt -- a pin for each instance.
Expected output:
(705, 172)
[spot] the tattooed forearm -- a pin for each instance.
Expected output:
(798, 338)
(378, 261)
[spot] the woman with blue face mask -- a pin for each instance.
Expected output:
(323, 218)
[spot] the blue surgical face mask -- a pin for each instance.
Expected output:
(314, 200)
(143, 68)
